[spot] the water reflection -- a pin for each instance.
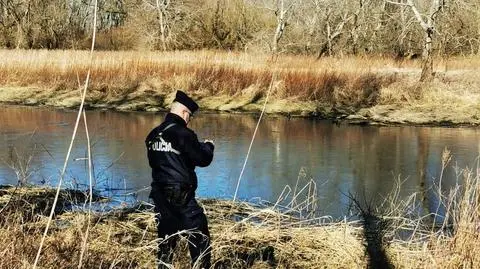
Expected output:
(357, 159)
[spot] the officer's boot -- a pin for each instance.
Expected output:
(199, 247)
(165, 254)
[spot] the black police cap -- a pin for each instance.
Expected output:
(183, 98)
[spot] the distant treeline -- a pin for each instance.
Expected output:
(314, 27)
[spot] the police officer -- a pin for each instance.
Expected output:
(173, 153)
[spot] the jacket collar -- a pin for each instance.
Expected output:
(174, 118)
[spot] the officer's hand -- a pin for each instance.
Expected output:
(209, 141)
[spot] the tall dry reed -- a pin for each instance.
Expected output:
(450, 240)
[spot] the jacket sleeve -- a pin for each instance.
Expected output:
(201, 154)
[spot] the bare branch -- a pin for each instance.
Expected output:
(424, 25)
(397, 3)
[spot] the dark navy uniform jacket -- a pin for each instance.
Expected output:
(173, 153)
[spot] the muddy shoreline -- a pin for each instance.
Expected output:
(151, 102)
(353, 90)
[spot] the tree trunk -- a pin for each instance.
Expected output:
(379, 21)
(19, 36)
(323, 50)
(401, 44)
(276, 37)
(161, 18)
(427, 61)
(354, 34)
(478, 40)
(162, 32)
(283, 13)
(428, 27)
(358, 18)
(329, 39)
(279, 29)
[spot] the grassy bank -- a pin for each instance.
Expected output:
(126, 238)
(359, 89)
(247, 236)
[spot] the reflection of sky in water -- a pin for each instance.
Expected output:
(341, 159)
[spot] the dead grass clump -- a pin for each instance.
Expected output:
(243, 236)
(361, 91)
(213, 80)
(30, 203)
(448, 241)
(291, 248)
(458, 244)
(111, 244)
(114, 241)
(369, 86)
(223, 79)
(313, 85)
(455, 102)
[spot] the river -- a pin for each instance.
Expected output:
(330, 161)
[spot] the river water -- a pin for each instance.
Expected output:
(317, 157)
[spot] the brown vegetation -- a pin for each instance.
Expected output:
(247, 236)
(126, 238)
(316, 28)
(361, 88)
(119, 78)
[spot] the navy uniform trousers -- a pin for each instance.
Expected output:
(172, 219)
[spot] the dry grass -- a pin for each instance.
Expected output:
(451, 243)
(264, 238)
(366, 88)
(452, 99)
(122, 76)
(111, 242)
(247, 236)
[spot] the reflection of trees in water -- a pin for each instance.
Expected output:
(351, 158)
(422, 161)
(377, 155)
(218, 126)
(125, 125)
(373, 156)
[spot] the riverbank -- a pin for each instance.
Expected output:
(243, 235)
(357, 90)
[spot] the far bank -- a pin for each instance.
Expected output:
(356, 90)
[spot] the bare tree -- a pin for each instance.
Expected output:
(334, 27)
(311, 20)
(404, 29)
(155, 19)
(379, 22)
(427, 22)
(220, 30)
(283, 10)
(162, 6)
(19, 13)
(470, 11)
(358, 21)
(321, 27)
